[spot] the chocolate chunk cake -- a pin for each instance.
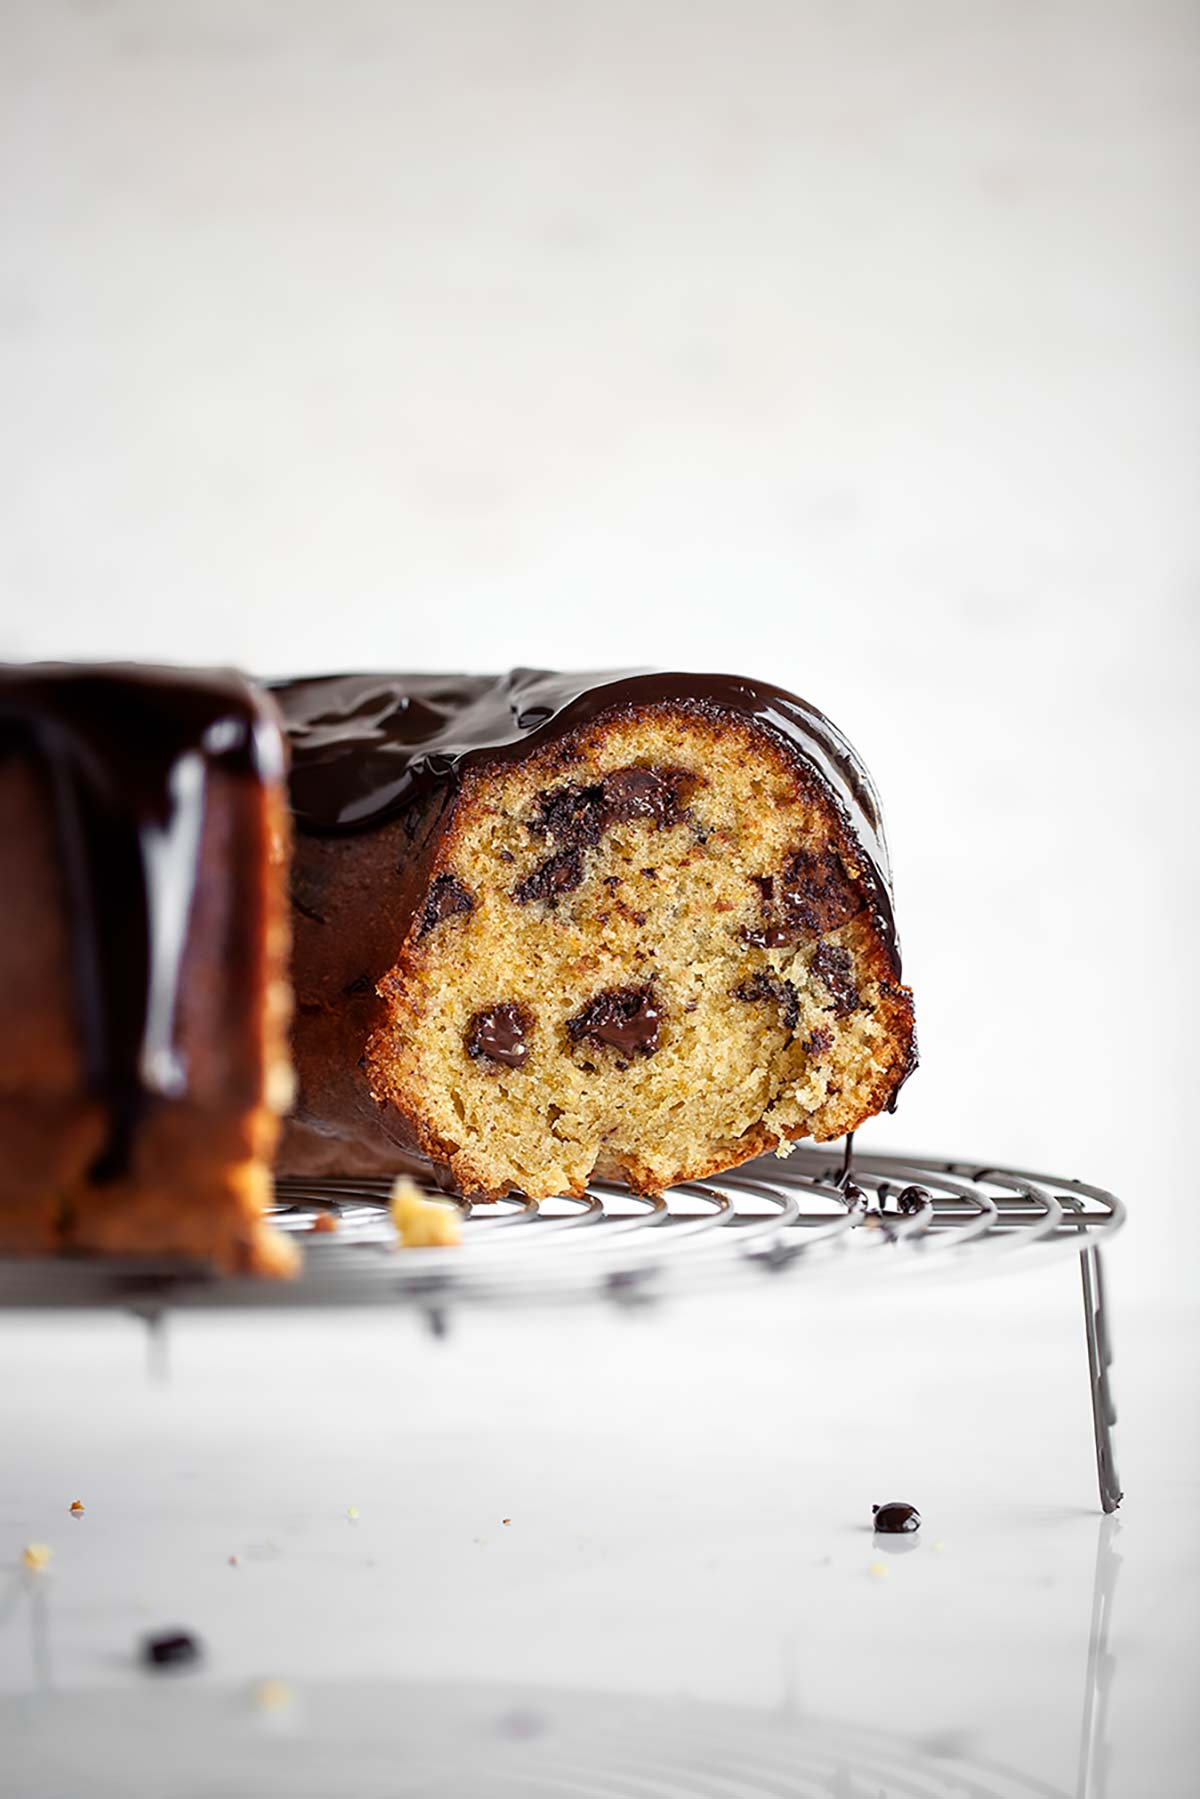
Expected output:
(548, 926)
(143, 982)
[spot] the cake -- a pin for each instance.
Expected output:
(143, 964)
(554, 926)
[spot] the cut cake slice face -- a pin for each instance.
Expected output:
(638, 936)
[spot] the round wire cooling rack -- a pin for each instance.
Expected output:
(811, 1213)
(905, 1213)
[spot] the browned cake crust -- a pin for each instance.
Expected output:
(647, 945)
(179, 1164)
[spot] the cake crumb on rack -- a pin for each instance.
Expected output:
(423, 1223)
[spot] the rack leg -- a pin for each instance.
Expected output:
(1099, 1348)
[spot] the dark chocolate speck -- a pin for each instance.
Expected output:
(500, 1034)
(896, 1517)
(176, 1650)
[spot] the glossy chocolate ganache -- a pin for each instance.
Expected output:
(367, 747)
(126, 753)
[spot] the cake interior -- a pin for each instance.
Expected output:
(643, 954)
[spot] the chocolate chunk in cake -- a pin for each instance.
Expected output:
(624, 1018)
(832, 965)
(765, 985)
(500, 1034)
(447, 898)
(556, 875)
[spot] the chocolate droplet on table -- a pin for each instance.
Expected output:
(499, 1034)
(178, 1650)
(896, 1517)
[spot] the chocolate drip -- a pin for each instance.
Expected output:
(365, 747)
(127, 753)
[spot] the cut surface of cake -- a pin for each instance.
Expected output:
(555, 926)
(144, 1000)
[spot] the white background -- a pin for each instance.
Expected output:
(851, 345)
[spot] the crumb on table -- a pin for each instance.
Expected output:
(76, 1507)
(36, 1556)
(423, 1223)
(272, 1695)
(325, 1221)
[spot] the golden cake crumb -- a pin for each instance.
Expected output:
(325, 1221)
(76, 1507)
(272, 1695)
(423, 1223)
(36, 1556)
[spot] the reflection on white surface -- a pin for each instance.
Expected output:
(172, 1737)
(688, 1498)
(476, 1741)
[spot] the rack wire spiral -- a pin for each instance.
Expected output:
(765, 1218)
(892, 1215)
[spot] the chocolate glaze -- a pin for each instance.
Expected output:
(500, 1034)
(127, 753)
(624, 1018)
(365, 747)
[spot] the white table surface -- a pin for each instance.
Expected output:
(688, 1581)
